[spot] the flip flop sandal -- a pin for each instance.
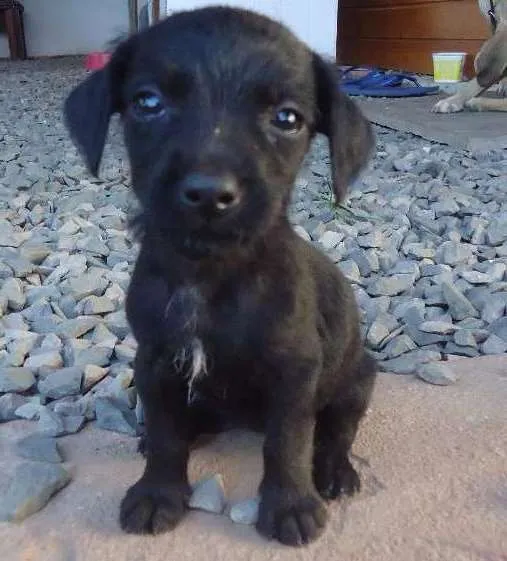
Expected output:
(389, 85)
(369, 75)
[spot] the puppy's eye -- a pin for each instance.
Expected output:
(148, 104)
(287, 120)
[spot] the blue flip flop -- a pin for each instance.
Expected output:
(378, 83)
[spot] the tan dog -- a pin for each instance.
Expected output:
(490, 68)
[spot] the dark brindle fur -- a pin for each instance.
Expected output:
(237, 318)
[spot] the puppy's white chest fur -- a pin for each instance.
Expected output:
(190, 360)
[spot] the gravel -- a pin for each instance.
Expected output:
(422, 238)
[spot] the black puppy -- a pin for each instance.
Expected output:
(235, 315)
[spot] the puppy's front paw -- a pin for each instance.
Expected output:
(334, 478)
(151, 508)
(452, 104)
(291, 518)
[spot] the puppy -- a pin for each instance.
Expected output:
(236, 317)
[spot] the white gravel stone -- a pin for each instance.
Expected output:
(390, 286)
(117, 323)
(16, 379)
(62, 382)
(208, 494)
(114, 415)
(330, 239)
(76, 327)
(98, 356)
(437, 373)
(465, 338)
(440, 327)
(399, 346)
(124, 353)
(91, 283)
(497, 230)
(40, 448)
(459, 306)
(103, 337)
(52, 424)
(92, 375)
(351, 270)
(454, 253)
(9, 403)
(30, 411)
(374, 239)
(44, 360)
(51, 342)
(12, 290)
(377, 333)
(30, 489)
(494, 345)
(245, 512)
(92, 305)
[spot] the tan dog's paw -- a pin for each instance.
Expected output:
(452, 104)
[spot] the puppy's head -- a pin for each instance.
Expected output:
(219, 106)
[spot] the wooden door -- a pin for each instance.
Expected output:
(402, 34)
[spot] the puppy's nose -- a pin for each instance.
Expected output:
(218, 194)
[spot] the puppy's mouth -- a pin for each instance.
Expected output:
(195, 248)
(198, 245)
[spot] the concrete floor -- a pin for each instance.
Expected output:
(469, 130)
(433, 462)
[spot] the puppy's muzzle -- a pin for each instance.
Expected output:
(209, 195)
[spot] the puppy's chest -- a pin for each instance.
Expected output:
(189, 314)
(210, 337)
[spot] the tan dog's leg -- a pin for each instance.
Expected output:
(487, 104)
(491, 61)
(502, 88)
(457, 101)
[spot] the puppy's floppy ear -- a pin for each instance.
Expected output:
(89, 107)
(350, 135)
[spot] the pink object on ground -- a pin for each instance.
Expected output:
(96, 60)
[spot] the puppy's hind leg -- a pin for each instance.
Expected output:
(335, 432)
